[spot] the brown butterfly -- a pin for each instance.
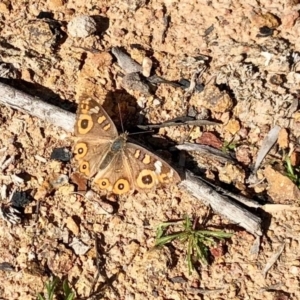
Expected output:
(116, 165)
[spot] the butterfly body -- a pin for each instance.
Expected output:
(116, 165)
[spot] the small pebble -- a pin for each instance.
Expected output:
(147, 66)
(55, 4)
(141, 101)
(82, 26)
(156, 102)
(20, 199)
(294, 270)
(129, 296)
(61, 154)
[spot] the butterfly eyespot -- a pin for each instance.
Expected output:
(146, 179)
(80, 150)
(103, 183)
(85, 123)
(85, 168)
(121, 187)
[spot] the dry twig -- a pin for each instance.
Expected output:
(66, 120)
(222, 205)
(33, 106)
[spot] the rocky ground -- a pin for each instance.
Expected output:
(241, 59)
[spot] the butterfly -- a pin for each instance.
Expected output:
(115, 164)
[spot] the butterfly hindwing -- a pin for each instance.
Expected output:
(149, 170)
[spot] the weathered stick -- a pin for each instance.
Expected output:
(207, 150)
(222, 205)
(66, 120)
(34, 106)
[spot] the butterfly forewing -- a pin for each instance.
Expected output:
(93, 122)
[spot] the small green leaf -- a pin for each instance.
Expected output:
(51, 287)
(189, 255)
(70, 296)
(68, 293)
(166, 239)
(216, 234)
(198, 241)
(201, 251)
(162, 228)
(187, 224)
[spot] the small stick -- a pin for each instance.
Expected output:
(222, 205)
(178, 123)
(208, 151)
(34, 106)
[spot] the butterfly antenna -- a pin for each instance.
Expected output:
(121, 117)
(141, 132)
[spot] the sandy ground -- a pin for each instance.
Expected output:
(244, 53)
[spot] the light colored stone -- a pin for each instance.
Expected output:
(54, 4)
(82, 26)
(71, 225)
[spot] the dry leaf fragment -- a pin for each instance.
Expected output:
(266, 146)
(210, 139)
(80, 181)
(71, 225)
(79, 247)
(272, 260)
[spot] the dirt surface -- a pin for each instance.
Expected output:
(246, 57)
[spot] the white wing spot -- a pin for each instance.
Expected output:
(158, 166)
(94, 110)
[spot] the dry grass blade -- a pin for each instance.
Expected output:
(272, 260)
(266, 146)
